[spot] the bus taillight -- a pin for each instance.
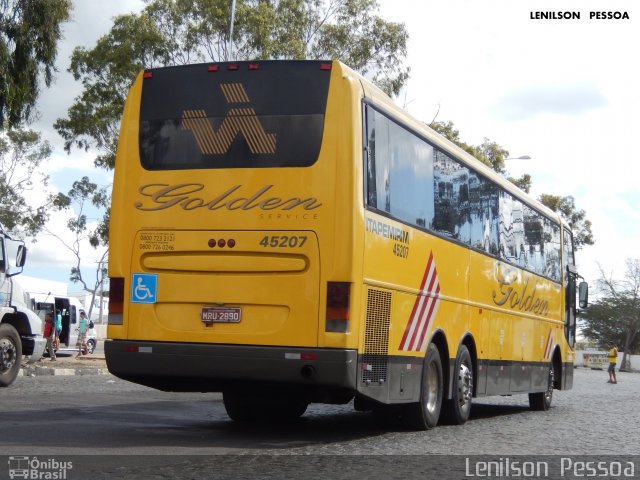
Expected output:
(116, 300)
(338, 296)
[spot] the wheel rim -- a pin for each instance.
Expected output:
(433, 385)
(465, 386)
(8, 355)
(549, 393)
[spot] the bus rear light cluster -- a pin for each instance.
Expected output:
(116, 300)
(138, 349)
(338, 298)
(233, 67)
(221, 243)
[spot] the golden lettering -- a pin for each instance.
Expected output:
(162, 196)
(517, 297)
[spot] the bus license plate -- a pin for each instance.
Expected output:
(221, 314)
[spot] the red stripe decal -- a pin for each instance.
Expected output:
(424, 309)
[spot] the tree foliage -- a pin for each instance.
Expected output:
(493, 155)
(489, 152)
(80, 197)
(175, 32)
(29, 34)
(22, 153)
(615, 317)
(577, 219)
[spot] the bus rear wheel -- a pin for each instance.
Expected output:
(424, 414)
(244, 406)
(541, 401)
(457, 410)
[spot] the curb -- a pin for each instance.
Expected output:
(45, 371)
(37, 370)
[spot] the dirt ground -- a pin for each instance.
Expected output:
(71, 361)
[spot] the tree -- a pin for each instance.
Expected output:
(22, 153)
(174, 32)
(616, 316)
(489, 153)
(494, 156)
(566, 207)
(29, 34)
(82, 195)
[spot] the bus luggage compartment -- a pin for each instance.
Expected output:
(235, 287)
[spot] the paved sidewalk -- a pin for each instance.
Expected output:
(92, 364)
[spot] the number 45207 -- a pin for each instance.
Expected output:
(283, 241)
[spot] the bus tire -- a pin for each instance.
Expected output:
(10, 354)
(425, 414)
(457, 410)
(244, 406)
(541, 401)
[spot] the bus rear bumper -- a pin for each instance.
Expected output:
(184, 367)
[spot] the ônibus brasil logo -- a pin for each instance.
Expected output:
(38, 469)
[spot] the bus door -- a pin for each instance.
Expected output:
(571, 277)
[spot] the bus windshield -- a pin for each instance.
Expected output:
(247, 115)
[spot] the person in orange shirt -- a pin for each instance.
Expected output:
(613, 359)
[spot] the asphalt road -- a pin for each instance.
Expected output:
(127, 424)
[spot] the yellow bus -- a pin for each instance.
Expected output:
(282, 233)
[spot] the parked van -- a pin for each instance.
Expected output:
(69, 308)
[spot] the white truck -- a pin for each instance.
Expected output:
(20, 327)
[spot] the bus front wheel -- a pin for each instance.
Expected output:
(424, 414)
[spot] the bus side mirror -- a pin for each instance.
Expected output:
(21, 256)
(583, 294)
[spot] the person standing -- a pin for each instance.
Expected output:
(49, 334)
(83, 328)
(58, 329)
(613, 359)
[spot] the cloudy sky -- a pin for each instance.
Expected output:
(564, 92)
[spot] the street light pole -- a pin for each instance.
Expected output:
(233, 16)
(522, 157)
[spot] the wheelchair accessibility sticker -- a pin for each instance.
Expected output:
(144, 288)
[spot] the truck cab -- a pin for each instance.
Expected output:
(20, 327)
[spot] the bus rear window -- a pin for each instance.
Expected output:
(241, 115)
